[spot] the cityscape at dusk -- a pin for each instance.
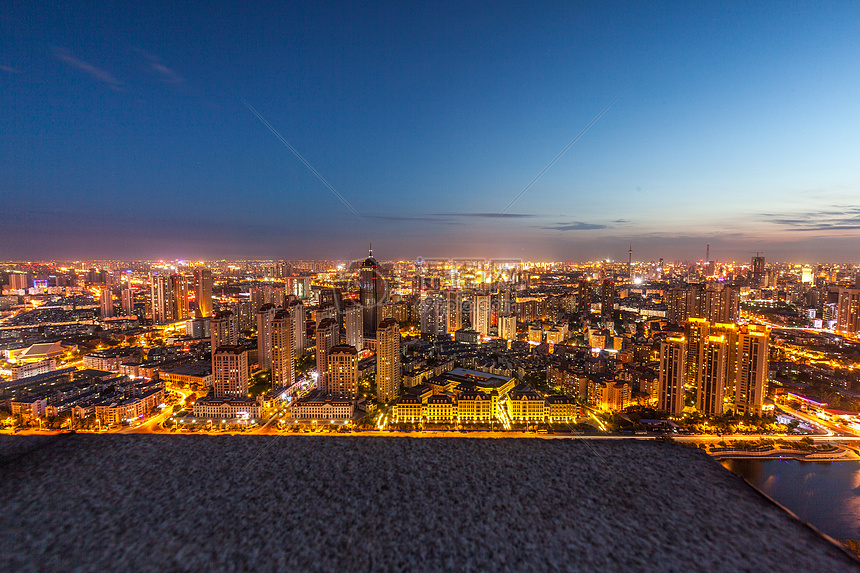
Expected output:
(450, 287)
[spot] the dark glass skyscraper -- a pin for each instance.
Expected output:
(372, 293)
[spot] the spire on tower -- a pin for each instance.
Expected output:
(371, 250)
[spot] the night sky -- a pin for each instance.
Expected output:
(123, 132)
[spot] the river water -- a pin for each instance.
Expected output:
(825, 494)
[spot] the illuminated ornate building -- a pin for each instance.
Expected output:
(372, 292)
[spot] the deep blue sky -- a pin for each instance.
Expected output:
(123, 133)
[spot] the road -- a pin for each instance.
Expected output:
(152, 425)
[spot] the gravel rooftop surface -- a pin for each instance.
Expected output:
(240, 503)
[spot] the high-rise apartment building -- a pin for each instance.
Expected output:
(433, 314)
(230, 371)
(353, 326)
(327, 337)
(264, 335)
(752, 366)
(224, 329)
(342, 372)
(106, 300)
(455, 310)
(695, 331)
(481, 313)
(673, 362)
(179, 287)
(607, 297)
(848, 310)
(203, 291)
(711, 382)
(388, 361)
(324, 312)
(508, 327)
(297, 312)
(161, 294)
(584, 296)
(283, 353)
(261, 295)
(127, 297)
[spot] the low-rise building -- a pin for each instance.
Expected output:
(227, 408)
(319, 406)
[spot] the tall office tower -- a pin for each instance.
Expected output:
(848, 310)
(179, 287)
(224, 329)
(695, 331)
(162, 300)
(711, 383)
(264, 335)
(584, 296)
(455, 310)
(230, 371)
(388, 361)
(673, 362)
(261, 295)
(433, 316)
(676, 303)
(106, 303)
(372, 293)
(203, 291)
(127, 296)
(327, 335)
(757, 275)
(353, 327)
(508, 327)
(481, 313)
(695, 301)
(283, 353)
(752, 366)
(297, 311)
(607, 297)
(325, 312)
(342, 374)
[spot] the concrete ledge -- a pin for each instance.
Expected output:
(236, 503)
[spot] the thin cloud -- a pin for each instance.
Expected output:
(450, 218)
(835, 218)
(96, 73)
(576, 226)
(167, 74)
(9, 69)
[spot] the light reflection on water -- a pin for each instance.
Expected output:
(826, 494)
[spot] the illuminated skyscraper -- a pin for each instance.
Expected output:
(455, 310)
(372, 293)
(433, 318)
(106, 303)
(388, 361)
(127, 301)
(752, 366)
(161, 300)
(297, 312)
(283, 353)
(757, 274)
(584, 296)
(179, 287)
(711, 382)
(342, 373)
(327, 336)
(230, 371)
(481, 313)
(673, 360)
(203, 291)
(508, 327)
(264, 335)
(607, 297)
(224, 329)
(695, 331)
(848, 310)
(353, 326)
(265, 294)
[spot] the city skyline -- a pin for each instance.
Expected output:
(126, 135)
